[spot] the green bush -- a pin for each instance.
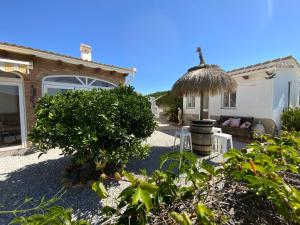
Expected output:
(175, 103)
(290, 118)
(263, 177)
(100, 125)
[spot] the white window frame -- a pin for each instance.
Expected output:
(19, 83)
(229, 100)
(190, 101)
(83, 85)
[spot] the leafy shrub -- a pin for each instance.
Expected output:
(261, 168)
(98, 125)
(290, 119)
(258, 167)
(172, 113)
(45, 212)
(182, 191)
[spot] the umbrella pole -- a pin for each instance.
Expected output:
(201, 105)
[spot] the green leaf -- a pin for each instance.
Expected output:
(186, 219)
(143, 197)
(137, 196)
(204, 215)
(151, 188)
(181, 219)
(130, 177)
(177, 217)
(99, 188)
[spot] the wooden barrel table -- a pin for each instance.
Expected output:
(202, 134)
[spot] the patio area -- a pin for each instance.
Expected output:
(28, 176)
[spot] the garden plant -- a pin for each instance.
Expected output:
(257, 185)
(290, 119)
(102, 126)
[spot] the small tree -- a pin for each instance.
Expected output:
(99, 125)
(290, 119)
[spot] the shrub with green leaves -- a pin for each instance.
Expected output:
(99, 125)
(260, 167)
(290, 119)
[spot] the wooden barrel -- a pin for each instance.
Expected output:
(201, 131)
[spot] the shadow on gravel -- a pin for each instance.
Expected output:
(42, 179)
(151, 163)
(169, 129)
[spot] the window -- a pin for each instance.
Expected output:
(190, 101)
(55, 84)
(229, 100)
(68, 80)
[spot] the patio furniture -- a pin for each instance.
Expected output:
(216, 130)
(241, 133)
(221, 142)
(185, 138)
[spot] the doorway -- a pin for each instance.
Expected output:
(12, 119)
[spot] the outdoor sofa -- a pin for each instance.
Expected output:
(240, 132)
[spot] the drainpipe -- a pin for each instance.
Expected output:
(289, 93)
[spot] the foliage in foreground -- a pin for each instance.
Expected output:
(177, 192)
(98, 125)
(45, 212)
(258, 167)
(290, 119)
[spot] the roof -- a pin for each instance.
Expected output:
(261, 66)
(65, 58)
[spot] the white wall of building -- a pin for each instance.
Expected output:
(281, 86)
(257, 96)
(195, 110)
(254, 99)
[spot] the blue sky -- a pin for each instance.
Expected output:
(158, 37)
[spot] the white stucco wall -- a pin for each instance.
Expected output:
(280, 96)
(253, 98)
(195, 110)
(259, 97)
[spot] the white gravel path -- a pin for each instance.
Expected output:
(28, 175)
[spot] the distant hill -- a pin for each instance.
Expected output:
(170, 101)
(165, 100)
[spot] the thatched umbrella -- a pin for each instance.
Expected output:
(204, 79)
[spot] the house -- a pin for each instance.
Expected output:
(263, 91)
(26, 74)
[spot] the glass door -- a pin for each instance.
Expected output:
(10, 116)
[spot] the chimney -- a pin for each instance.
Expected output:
(86, 52)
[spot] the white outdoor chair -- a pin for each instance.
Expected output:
(221, 142)
(185, 138)
(216, 130)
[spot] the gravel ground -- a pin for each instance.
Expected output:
(30, 176)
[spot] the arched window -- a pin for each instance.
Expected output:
(55, 84)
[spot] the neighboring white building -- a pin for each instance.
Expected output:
(263, 91)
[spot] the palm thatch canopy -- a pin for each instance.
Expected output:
(204, 78)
